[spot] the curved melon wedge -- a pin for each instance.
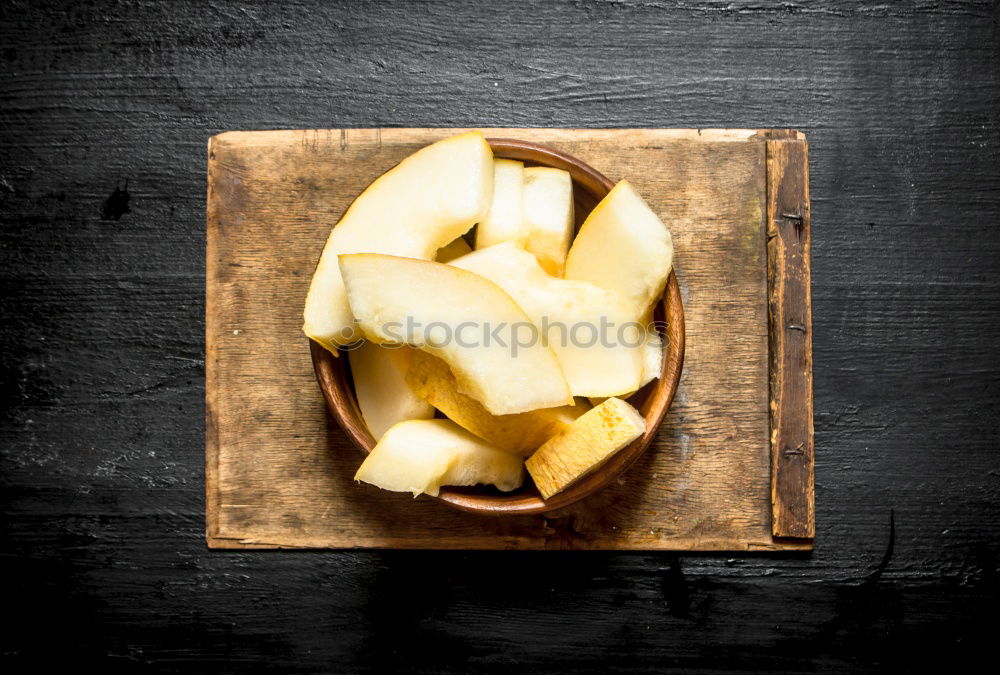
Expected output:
(455, 249)
(505, 220)
(419, 456)
(412, 210)
(623, 246)
(595, 335)
(384, 397)
(587, 444)
(522, 433)
(548, 216)
(468, 321)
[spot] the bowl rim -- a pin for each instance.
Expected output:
(332, 373)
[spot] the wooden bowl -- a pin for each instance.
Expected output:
(653, 400)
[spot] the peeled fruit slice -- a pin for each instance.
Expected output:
(464, 319)
(548, 216)
(652, 358)
(652, 365)
(589, 442)
(380, 384)
(520, 433)
(595, 336)
(455, 249)
(412, 210)
(505, 220)
(420, 456)
(623, 246)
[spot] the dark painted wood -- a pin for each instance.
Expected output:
(790, 338)
(101, 346)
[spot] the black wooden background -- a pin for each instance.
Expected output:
(106, 109)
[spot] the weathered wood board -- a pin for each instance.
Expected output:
(279, 471)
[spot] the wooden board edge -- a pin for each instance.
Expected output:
(790, 338)
(510, 544)
(781, 134)
(212, 499)
(345, 136)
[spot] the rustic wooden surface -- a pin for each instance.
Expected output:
(788, 234)
(102, 333)
(280, 473)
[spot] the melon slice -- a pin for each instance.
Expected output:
(380, 384)
(624, 247)
(412, 210)
(461, 317)
(455, 249)
(595, 336)
(521, 433)
(548, 216)
(419, 456)
(505, 220)
(589, 442)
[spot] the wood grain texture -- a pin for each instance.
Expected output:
(790, 323)
(280, 472)
(102, 496)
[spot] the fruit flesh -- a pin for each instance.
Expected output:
(412, 210)
(505, 220)
(589, 442)
(455, 249)
(420, 456)
(548, 216)
(652, 365)
(521, 433)
(595, 336)
(462, 318)
(624, 247)
(384, 397)
(652, 358)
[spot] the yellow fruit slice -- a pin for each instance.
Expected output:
(593, 438)
(652, 358)
(380, 385)
(462, 318)
(505, 220)
(548, 216)
(419, 456)
(412, 210)
(455, 249)
(652, 364)
(623, 246)
(593, 333)
(521, 433)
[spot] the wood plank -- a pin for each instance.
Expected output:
(282, 469)
(790, 316)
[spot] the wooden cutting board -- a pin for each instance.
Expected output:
(732, 467)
